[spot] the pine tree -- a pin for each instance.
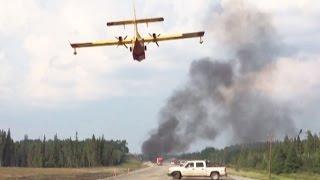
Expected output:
(292, 163)
(316, 167)
(43, 152)
(8, 150)
(56, 162)
(24, 151)
(299, 146)
(316, 142)
(309, 146)
(3, 138)
(278, 160)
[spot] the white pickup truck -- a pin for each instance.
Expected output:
(197, 169)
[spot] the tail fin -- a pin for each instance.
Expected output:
(134, 10)
(135, 17)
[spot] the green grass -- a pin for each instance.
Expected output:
(132, 164)
(263, 175)
(69, 173)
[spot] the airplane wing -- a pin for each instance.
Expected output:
(156, 38)
(118, 42)
(138, 21)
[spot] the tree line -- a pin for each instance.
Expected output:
(57, 152)
(288, 156)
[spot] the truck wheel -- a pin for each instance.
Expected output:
(215, 176)
(176, 175)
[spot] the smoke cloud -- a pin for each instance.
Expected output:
(222, 94)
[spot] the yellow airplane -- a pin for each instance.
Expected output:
(137, 43)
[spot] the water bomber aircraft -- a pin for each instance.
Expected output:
(137, 43)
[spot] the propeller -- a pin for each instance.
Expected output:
(121, 39)
(155, 38)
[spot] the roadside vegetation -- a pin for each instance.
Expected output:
(92, 158)
(263, 175)
(291, 158)
(70, 153)
(70, 173)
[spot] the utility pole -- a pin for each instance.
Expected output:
(270, 140)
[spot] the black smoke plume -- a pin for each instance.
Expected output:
(222, 95)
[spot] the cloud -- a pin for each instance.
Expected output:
(5, 74)
(291, 80)
(16, 15)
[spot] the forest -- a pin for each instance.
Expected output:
(57, 152)
(290, 155)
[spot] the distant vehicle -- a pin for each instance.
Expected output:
(197, 168)
(174, 162)
(137, 42)
(159, 161)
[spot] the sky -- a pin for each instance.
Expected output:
(44, 89)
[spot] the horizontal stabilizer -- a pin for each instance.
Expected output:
(138, 21)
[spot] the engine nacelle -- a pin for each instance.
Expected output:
(120, 38)
(155, 38)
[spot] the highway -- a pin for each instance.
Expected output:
(160, 173)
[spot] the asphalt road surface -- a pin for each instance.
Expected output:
(160, 173)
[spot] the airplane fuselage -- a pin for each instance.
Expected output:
(138, 50)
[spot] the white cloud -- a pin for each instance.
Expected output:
(286, 5)
(290, 79)
(5, 75)
(16, 14)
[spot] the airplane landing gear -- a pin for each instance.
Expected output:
(201, 40)
(75, 52)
